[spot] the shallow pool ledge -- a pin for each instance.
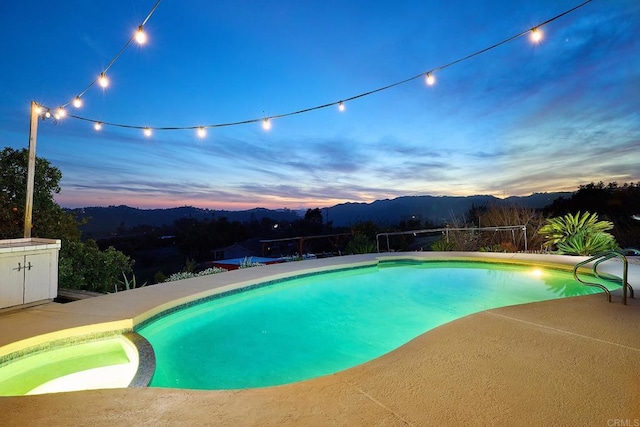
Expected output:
(63, 337)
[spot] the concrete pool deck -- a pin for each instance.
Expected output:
(572, 361)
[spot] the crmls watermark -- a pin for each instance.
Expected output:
(623, 422)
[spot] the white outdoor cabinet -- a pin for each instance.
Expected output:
(28, 271)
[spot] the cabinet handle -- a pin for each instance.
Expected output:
(25, 267)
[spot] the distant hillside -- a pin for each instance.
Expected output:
(105, 220)
(437, 209)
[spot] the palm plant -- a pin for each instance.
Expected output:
(360, 244)
(443, 246)
(578, 234)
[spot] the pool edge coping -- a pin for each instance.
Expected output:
(69, 336)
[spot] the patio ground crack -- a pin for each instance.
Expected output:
(566, 332)
(380, 404)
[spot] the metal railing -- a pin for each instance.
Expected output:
(599, 259)
(445, 231)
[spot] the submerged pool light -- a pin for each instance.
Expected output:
(536, 272)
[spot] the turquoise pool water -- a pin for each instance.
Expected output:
(321, 324)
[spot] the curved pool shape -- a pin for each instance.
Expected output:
(310, 326)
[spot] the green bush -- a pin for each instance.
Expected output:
(81, 265)
(583, 243)
(443, 246)
(85, 266)
(361, 244)
(188, 275)
(579, 234)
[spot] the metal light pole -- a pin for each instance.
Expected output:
(31, 169)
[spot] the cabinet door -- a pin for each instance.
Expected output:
(36, 277)
(11, 281)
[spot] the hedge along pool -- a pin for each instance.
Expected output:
(319, 324)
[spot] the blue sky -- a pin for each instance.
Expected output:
(518, 119)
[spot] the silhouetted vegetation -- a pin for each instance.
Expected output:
(612, 202)
(48, 217)
(189, 243)
(82, 265)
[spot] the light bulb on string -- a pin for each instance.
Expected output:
(97, 126)
(536, 35)
(60, 113)
(103, 80)
(141, 36)
(430, 79)
(37, 109)
(77, 102)
(202, 132)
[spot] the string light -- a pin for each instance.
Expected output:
(61, 112)
(37, 109)
(202, 132)
(97, 126)
(103, 80)
(535, 35)
(77, 102)
(141, 36)
(430, 79)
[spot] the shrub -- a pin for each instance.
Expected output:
(498, 215)
(361, 244)
(443, 246)
(583, 243)
(579, 234)
(187, 275)
(499, 247)
(84, 266)
(249, 262)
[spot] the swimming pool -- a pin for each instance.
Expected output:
(296, 329)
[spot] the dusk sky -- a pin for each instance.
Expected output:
(517, 119)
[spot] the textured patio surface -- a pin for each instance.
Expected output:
(573, 361)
